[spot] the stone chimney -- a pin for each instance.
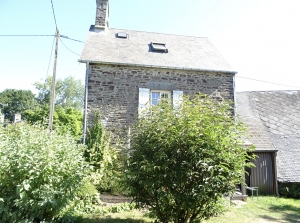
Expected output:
(102, 13)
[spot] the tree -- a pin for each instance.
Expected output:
(64, 120)
(18, 101)
(69, 92)
(182, 160)
(102, 156)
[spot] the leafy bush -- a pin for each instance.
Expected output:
(86, 201)
(100, 154)
(65, 120)
(182, 160)
(289, 190)
(39, 173)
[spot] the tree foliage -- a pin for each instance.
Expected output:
(18, 101)
(69, 92)
(39, 173)
(100, 154)
(64, 120)
(183, 160)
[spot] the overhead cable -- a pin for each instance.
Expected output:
(27, 35)
(68, 48)
(50, 58)
(71, 39)
(54, 15)
(267, 82)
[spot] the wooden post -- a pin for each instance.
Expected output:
(52, 101)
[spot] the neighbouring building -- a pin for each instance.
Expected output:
(128, 69)
(1, 118)
(273, 121)
(17, 118)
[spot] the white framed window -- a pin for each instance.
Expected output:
(156, 95)
(149, 97)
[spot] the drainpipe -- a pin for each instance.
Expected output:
(85, 100)
(276, 180)
(234, 97)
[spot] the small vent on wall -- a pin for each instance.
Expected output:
(122, 35)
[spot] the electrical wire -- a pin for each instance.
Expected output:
(68, 48)
(50, 58)
(62, 36)
(71, 39)
(267, 82)
(66, 37)
(26, 35)
(54, 15)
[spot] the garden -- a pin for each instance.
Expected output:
(181, 163)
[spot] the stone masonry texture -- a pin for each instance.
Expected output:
(114, 90)
(101, 12)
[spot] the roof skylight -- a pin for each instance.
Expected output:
(122, 35)
(161, 47)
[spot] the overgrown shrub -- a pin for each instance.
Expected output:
(102, 156)
(289, 190)
(39, 173)
(86, 201)
(182, 160)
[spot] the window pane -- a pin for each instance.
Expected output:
(159, 46)
(154, 102)
(155, 98)
(164, 95)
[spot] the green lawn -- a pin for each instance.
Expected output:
(261, 210)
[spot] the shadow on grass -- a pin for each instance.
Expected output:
(289, 213)
(112, 220)
(270, 219)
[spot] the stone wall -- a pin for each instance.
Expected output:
(114, 90)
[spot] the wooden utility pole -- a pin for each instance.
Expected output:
(52, 100)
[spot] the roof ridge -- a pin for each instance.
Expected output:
(204, 37)
(263, 91)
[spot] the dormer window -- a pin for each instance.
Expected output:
(159, 47)
(122, 35)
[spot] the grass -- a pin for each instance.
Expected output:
(133, 216)
(262, 210)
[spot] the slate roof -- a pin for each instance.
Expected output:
(247, 111)
(184, 52)
(273, 120)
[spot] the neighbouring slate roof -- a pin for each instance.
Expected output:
(184, 52)
(288, 157)
(247, 111)
(273, 120)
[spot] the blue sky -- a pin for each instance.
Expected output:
(259, 38)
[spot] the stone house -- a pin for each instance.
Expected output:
(127, 69)
(273, 121)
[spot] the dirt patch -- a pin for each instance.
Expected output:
(237, 203)
(114, 199)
